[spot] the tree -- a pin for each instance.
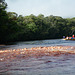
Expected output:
(3, 5)
(3, 20)
(73, 29)
(12, 15)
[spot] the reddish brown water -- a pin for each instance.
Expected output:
(53, 60)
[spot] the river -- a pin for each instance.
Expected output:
(29, 44)
(63, 64)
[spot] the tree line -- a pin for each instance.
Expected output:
(14, 27)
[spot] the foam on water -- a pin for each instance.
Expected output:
(36, 60)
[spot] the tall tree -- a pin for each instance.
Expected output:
(3, 19)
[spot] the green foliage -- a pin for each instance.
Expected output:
(20, 28)
(3, 5)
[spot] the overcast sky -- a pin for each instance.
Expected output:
(63, 8)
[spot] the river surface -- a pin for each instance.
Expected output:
(29, 44)
(45, 65)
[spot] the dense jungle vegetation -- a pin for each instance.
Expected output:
(14, 27)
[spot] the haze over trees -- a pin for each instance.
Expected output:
(14, 27)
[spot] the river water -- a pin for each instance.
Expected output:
(45, 65)
(29, 44)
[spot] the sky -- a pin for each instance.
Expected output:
(63, 8)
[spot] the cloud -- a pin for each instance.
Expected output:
(47, 7)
